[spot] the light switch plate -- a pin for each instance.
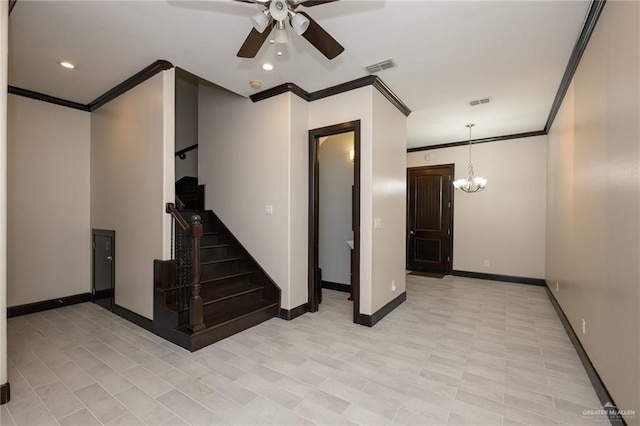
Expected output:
(377, 223)
(268, 209)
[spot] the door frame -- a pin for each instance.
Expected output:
(314, 283)
(112, 235)
(452, 168)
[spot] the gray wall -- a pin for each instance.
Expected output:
(49, 235)
(336, 179)
(593, 203)
(132, 167)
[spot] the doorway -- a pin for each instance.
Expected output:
(103, 290)
(314, 278)
(430, 219)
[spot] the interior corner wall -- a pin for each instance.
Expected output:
(298, 203)
(505, 223)
(389, 202)
(244, 163)
(129, 171)
(49, 236)
(4, 63)
(350, 106)
(186, 95)
(593, 203)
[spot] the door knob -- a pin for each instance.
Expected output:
(412, 233)
(109, 258)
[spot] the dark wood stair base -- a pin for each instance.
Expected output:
(236, 292)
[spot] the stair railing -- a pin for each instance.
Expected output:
(186, 253)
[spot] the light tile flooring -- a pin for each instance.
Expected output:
(459, 351)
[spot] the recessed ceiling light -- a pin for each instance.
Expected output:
(267, 66)
(67, 65)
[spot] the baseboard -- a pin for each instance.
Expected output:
(346, 288)
(498, 277)
(371, 320)
(598, 385)
(45, 305)
(5, 393)
(289, 314)
(131, 316)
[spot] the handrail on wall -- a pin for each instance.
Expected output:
(182, 154)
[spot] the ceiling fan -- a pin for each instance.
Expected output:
(275, 15)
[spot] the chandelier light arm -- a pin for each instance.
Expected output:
(471, 183)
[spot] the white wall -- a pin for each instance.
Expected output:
(132, 145)
(245, 164)
(593, 203)
(350, 106)
(186, 125)
(382, 187)
(505, 223)
(336, 179)
(48, 200)
(298, 203)
(4, 62)
(389, 201)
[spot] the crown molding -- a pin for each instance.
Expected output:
(370, 80)
(477, 141)
(128, 84)
(589, 24)
(46, 98)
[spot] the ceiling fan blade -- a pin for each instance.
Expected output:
(253, 43)
(311, 3)
(254, 1)
(321, 39)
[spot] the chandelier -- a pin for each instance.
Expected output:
(471, 183)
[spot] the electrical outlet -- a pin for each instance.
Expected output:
(557, 286)
(393, 286)
(486, 263)
(584, 326)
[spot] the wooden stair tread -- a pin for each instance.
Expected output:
(220, 318)
(226, 276)
(236, 292)
(221, 260)
(213, 294)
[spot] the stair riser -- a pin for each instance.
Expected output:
(216, 253)
(213, 270)
(210, 240)
(232, 303)
(242, 279)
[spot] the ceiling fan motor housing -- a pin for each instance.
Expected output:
(279, 10)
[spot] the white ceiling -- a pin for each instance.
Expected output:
(448, 53)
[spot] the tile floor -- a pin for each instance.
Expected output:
(459, 351)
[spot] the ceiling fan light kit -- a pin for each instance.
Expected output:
(260, 20)
(275, 15)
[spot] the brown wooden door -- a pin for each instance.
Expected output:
(429, 222)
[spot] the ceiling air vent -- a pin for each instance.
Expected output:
(380, 66)
(480, 101)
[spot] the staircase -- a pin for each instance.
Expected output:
(236, 293)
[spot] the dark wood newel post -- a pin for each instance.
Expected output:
(196, 320)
